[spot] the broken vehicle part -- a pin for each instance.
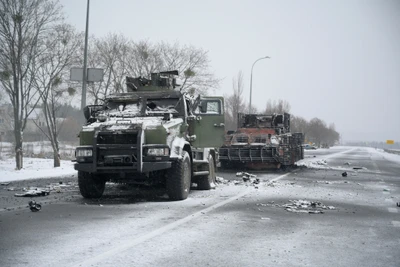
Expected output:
(33, 206)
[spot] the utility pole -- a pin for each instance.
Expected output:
(84, 81)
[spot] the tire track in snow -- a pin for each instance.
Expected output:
(127, 245)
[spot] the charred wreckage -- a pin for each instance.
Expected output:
(262, 142)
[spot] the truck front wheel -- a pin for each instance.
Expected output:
(179, 178)
(207, 182)
(89, 186)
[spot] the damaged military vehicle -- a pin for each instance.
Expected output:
(152, 135)
(262, 142)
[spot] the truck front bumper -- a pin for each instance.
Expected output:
(146, 167)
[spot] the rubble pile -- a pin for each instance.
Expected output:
(248, 177)
(305, 206)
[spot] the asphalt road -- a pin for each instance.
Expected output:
(340, 221)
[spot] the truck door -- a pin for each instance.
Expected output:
(208, 126)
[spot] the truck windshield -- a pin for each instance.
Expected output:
(154, 107)
(118, 108)
(163, 105)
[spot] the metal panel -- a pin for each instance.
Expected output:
(76, 74)
(93, 74)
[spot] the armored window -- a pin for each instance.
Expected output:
(169, 105)
(209, 107)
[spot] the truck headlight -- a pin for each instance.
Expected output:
(164, 151)
(83, 152)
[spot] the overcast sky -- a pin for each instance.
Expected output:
(335, 60)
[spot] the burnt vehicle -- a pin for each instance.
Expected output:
(262, 142)
(152, 135)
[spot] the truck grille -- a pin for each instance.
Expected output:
(117, 139)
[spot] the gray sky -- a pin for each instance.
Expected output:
(335, 60)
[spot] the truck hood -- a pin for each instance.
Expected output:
(144, 123)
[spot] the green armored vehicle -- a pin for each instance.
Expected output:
(153, 135)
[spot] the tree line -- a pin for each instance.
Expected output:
(38, 49)
(315, 131)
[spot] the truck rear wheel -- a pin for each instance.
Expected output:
(179, 178)
(89, 186)
(207, 182)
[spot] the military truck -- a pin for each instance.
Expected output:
(262, 142)
(153, 134)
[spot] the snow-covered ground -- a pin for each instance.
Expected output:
(320, 159)
(34, 168)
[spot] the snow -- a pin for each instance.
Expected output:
(319, 161)
(34, 168)
(383, 154)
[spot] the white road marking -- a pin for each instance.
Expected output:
(106, 255)
(396, 223)
(393, 210)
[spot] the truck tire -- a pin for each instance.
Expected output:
(207, 182)
(89, 186)
(179, 178)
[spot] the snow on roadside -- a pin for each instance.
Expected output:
(34, 168)
(386, 155)
(319, 161)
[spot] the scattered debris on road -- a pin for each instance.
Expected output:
(248, 177)
(36, 192)
(221, 180)
(305, 206)
(301, 206)
(33, 191)
(34, 206)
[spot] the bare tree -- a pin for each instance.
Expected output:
(143, 58)
(23, 25)
(51, 69)
(120, 57)
(193, 65)
(234, 103)
(315, 131)
(281, 106)
(107, 53)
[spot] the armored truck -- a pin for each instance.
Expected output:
(262, 141)
(153, 134)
